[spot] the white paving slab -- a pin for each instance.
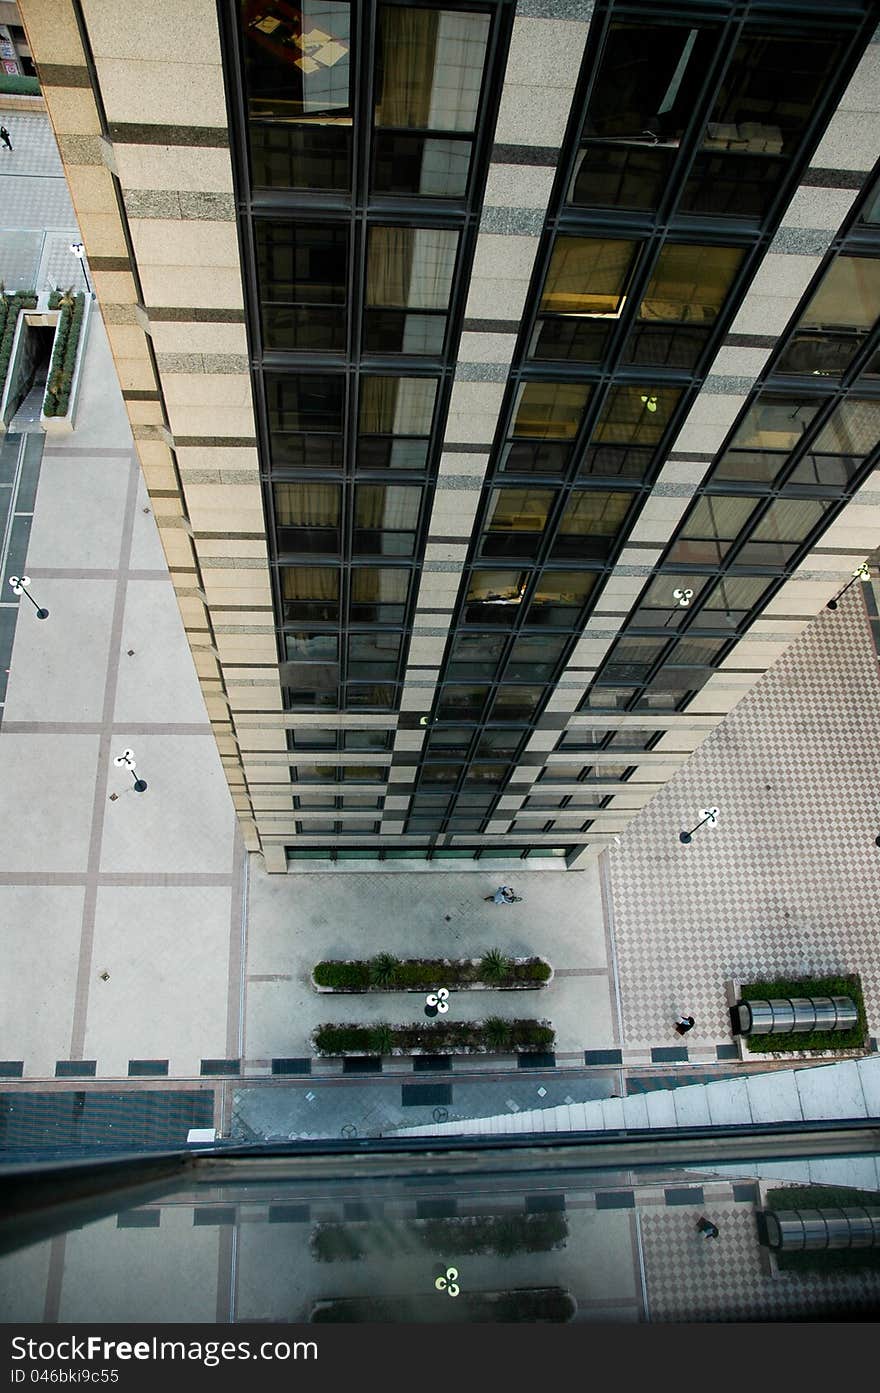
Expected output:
(869, 1074)
(661, 1108)
(612, 1113)
(635, 1111)
(835, 1091)
(691, 1106)
(774, 1097)
(729, 1102)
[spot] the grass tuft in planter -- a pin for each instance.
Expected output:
(495, 965)
(385, 972)
(57, 398)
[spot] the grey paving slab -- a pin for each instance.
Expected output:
(146, 549)
(635, 1111)
(59, 664)
(158, 681)
(183, 823)
(166, 950)
(40, 955)
(79, 513)
(857, 1172)
(661, 1107)
(47, 786)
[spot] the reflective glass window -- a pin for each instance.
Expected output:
(395, 421)
(711, 529)
(307, 516)
(631, 659)
(378, 594)
(590, 524)
(667, 600)
(298, 79)
(517, 703)
(302, 275)
(385, 519)
(305, 420)
(559, 597)
(550, 410)
(784, 527)
(681, 303)
(535, 657)
(770, 430)
(494, 597)
(310, 592)
(516, 521)
(730, 600)
(585, 283)
(461, 703)
(409, 280)
(837, 319)
(373, 656)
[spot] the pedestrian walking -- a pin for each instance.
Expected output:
(503, 895)
(4, 136)
(683, 1024)
(706, 1227)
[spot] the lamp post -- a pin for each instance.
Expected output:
(126, 761)
(19, 585)
(710, 818)
(79, 252)
(437, 1001)
(862, 572)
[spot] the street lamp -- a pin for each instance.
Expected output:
(437, 1001)
(710, 818)
(19, 585)
(79, 252)
(126, 761)
(862, 572)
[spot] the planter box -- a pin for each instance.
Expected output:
(63, 425)
(435, 1039)
(430, 983)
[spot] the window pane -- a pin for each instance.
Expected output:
(385, 519)
(310, 592)
(635, 415)
(516, 520)
(431, 166)
(550, 410)
(374, 697)
(378, 594)
(298, 86)
(693, 648)
(311, 737)
(410, 267)
(302, 271)
(306, 648)
(714, 524)
(608, 176)
(688, 287)
(587, 276)
(571, 339)
(667, 600)
(397, 405)
(534, 457)
(535, 657)
(769, 431)
(305, 419)
(364, 773)
(461, 703)
(631, 659)
(314, 774)
(853, 428)
(492, 775)
(559, 596)
(493, 597)
(502, 741)
(307, 516)
(648, 81)
(393, 331)
(373, 655)
(730, 600)
(366, 739)
(429, 68)
(785, 525)
(734, 184)
(516, 703)
(615, 461)
(769, 92)
(590, 524)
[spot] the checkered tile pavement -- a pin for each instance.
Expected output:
(691, 1278)
(789, 880)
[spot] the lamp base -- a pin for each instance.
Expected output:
(685, 837)
(42, 614)
(832, 604)
(140, 785)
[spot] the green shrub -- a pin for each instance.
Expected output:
(815, 1039)
(381, 1039)
(498, 1033)
(433, 1037)
(383, 969)
(10, 305)
(57, 398)
(495, 965)
(500, 1235)
(333, 974)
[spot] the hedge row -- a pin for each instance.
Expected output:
(552, 1304)
(438, 1037)
(57, 397)
(501, 1235)
(9, 308)
(386, 973)
(850, 986)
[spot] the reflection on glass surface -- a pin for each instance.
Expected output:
(307, 516)
(836, 320)
(770, 430)
(711, 528)
(681, 303)
(298, 80)
(550, 410)
(408, 269)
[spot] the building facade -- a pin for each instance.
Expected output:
(505, 377)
